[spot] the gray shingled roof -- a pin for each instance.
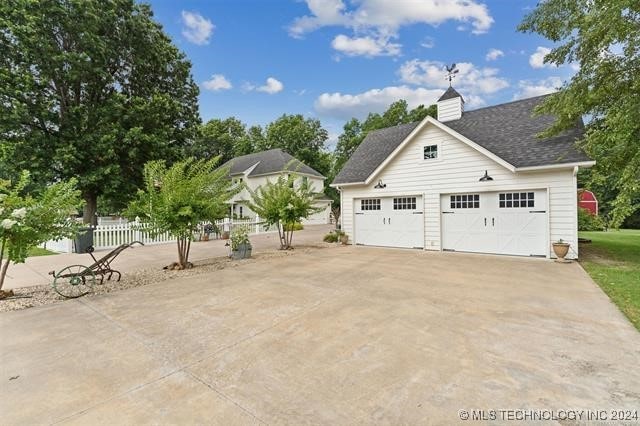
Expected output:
(271, 161)
(450, 94)
(507, 130)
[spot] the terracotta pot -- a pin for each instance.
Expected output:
(225, 235)
(205, 237)
(561, 250)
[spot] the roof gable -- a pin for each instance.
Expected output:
(268, 162)
(507, 133)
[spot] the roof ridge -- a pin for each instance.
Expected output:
(508, 103)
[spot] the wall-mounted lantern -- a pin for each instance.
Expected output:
(486, 177)
(380, 185)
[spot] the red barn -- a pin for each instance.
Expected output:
(588, 201)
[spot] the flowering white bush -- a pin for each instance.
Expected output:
(27, 220)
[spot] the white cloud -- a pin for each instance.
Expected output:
(529, 88)
(365, 46)
(271, 86)
(217, 82)
(377, 20)
(470, 81)
(345, 106)
(390, 16)
(428, 42)
(536, 60)
(425, 83)
(494, 54)
(196, 28)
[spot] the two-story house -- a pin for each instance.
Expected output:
(257, 169)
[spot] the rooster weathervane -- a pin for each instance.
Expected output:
(451, 72)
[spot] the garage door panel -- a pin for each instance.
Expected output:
(390, 222)
(512, 222)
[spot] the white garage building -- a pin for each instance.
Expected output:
(478, 181)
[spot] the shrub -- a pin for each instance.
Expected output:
(333, 236)
(589, 222)
(296, 227)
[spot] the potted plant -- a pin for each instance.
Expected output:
(561, 248)
(240, 244)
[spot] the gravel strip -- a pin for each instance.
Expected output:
(39, 295)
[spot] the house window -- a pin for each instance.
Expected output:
(465, 201)
(516, 200)
(370, 204)
(404, 203)
(430, 152)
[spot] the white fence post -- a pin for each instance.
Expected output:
(257, 224)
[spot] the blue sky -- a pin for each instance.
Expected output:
(335, 59)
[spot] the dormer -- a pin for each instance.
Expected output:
(450, 106)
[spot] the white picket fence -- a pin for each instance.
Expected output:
(111, 236)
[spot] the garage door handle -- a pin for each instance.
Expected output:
(537, 211)
(485, 221)
(493, 221)
(384, 220)
(389, 221)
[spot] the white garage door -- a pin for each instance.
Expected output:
(390, 221)
(508, 222)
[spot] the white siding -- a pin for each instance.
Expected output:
(451, 109)
(457, 169)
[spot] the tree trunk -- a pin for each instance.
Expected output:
(3, 271)
(90, 209)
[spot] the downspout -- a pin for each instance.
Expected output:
(341, 210)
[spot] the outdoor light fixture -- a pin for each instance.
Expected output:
(380, 185)
(486, 177)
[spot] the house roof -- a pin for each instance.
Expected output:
(268, 162)
(508, 130)
(450, 94)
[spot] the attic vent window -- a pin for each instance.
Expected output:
(430, 152)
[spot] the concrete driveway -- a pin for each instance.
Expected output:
(344, 335)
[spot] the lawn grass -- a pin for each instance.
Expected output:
(613, 261)
(39, 251)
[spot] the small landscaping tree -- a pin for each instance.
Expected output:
(176, 199)
(27, 220)
(284, 203)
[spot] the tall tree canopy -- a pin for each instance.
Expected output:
(355, 131)
(603, 37)
(304, 138)
(90, 89)
(226, 138)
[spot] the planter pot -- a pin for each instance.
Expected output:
(344, 239)
(243, 252)
(225, 235)
(561, 250)
(205, 237)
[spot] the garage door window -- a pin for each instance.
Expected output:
(465, 201)
(516, 200)
(404, 203)
(370, 204)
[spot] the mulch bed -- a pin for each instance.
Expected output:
(38, 295)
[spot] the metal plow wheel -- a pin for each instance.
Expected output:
(74, 281)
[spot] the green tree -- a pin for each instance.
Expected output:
(225, 138)
(303, 138)
(91, 89)
(354, 131)
(27, 221)
(284, 203)
(176, 199)
(603, 37)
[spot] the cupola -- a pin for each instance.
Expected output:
(450, 105)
